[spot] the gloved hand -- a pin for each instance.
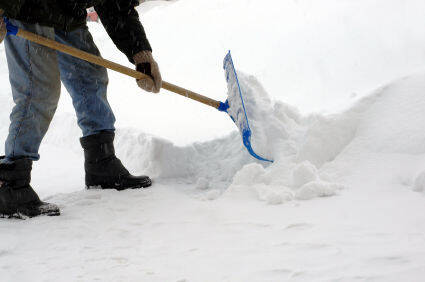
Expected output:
(3, 30)
(146, 64)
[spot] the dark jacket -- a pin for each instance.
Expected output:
(119, 18)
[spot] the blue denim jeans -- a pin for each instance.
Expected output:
(36, 73)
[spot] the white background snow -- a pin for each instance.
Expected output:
(336, 92)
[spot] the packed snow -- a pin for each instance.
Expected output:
(342, 201)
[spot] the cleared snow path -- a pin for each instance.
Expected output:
(167, 234)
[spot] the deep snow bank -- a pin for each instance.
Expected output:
(312, 154)
(388, 139)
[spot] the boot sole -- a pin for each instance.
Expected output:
(45, 209)
(118, 187)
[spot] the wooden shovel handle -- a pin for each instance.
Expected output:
(112, 66)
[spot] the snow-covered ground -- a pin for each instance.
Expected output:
(343, 201)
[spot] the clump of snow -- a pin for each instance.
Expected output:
(213, 194)
(251, 173)
(316, 189)
(202, 184)
(303, 173)
(419, 185)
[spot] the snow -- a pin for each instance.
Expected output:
(254, 114)
(419, 185)
(343, 200)
(303, 174)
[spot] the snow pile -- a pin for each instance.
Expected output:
(313, 154)
(276, 134)
(281, 183)
(388, 143)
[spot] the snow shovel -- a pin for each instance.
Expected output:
(234, 106)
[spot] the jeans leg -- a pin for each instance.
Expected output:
(87, 83)
(34, 77)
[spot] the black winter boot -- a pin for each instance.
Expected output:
(17, 198)
(104, 169)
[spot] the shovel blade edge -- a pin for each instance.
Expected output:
(235, 106)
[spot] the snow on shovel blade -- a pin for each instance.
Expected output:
(235, 106)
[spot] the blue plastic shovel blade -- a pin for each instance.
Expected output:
(235, 106)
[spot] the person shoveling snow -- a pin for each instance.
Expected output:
(94, 114)
(36, 73)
